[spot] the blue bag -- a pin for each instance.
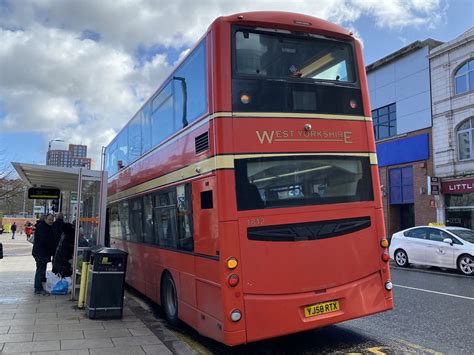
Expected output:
(60, 288)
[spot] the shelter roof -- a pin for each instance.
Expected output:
(65, 179)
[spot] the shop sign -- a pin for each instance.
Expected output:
(457, 187)
(433, 185)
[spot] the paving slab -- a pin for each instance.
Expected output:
(33, 328)
(125, 350)
(16, 338)
(63, 352)
(156, 349)
(48, 345)
(86, 344)
(69, 335)
(142, 340)
(107, 333)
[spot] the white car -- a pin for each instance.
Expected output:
(446, 247)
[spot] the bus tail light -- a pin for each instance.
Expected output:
(388, 285)
(384, 243)
(385, 256)
(235, 315)
(233, 280)
(232, 263)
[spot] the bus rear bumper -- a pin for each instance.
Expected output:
(275, 315)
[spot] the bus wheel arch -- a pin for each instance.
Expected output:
(465, 264)
(401, 258)
(169, 297)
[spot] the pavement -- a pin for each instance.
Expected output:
(36, 324)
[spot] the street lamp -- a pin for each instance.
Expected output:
(49, 149)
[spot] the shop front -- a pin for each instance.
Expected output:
(459, 202)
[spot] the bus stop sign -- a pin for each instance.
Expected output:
(41, 193)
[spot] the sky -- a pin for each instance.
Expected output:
(78, 70)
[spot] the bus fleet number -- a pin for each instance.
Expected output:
(253, 222)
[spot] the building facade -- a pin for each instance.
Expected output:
(452, 77)
(76, 155)
(399, 87)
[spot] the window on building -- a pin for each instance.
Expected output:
(465, 139)
(385, 121)
(401, 185)
(464, 78)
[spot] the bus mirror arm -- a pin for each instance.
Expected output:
(184, 89)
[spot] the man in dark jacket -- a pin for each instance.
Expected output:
(42, 251)
(13, 229)
(57, 230)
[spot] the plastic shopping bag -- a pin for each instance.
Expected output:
(60, 288)
(69, 284)
(51, 280)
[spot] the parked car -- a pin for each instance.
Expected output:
(446, 247)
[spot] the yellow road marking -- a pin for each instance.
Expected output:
(419, 347)
(376, 350)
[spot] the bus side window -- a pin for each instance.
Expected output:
(185, 223)
(165, 213)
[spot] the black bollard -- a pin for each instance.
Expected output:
(1, 251)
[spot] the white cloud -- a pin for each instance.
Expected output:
(396, 14)
(84, 91)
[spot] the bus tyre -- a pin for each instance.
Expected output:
(401, 258)
(466, 264)
(169, 299)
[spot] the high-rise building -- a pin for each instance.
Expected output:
(76, 155)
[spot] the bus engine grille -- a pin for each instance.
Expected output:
(308, 230)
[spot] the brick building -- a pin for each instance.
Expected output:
(399, 87)
(452, 80)
(76, 155)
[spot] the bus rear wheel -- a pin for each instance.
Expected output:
(169, 299)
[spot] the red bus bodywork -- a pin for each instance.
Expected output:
(276, 280)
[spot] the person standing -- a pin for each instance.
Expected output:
(57, 230)
(28, 230)
(42, 251)
(13, 229)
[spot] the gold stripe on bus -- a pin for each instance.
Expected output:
(371, 156)
(216, 163)
(299, 115)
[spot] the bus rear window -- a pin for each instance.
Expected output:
(291, 181)
(284, 56)
(293, 72)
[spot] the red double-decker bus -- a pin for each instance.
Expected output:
(246, 189)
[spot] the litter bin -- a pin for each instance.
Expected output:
(106, 281)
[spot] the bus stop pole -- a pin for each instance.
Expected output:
(76, 235)
(102, 208)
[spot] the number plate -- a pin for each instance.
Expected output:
(321, 308)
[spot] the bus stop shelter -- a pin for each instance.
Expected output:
(84, 199)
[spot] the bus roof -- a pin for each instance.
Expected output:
(289, 19)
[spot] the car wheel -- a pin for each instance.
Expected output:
(401, 258)
(169, 299)
(466, 264)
